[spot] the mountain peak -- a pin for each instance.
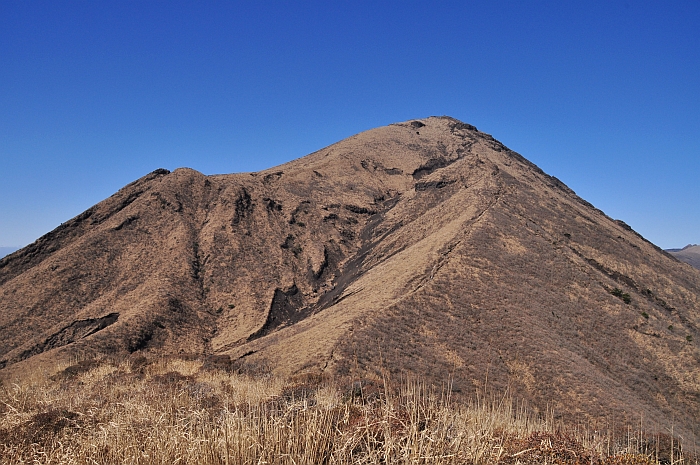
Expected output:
(424, 246)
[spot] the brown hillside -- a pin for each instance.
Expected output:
(425, 247)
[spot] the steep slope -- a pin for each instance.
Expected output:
(424, 247)
(689, 254)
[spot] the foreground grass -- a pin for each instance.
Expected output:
(171, 411)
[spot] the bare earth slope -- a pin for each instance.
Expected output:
(425, 247)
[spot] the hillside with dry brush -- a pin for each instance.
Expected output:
(424, 249)
(175, 410)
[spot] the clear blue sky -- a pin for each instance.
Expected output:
(94, 94)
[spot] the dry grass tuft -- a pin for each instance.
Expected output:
(170, 411)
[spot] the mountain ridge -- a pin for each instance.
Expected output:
(689, 254)
(424, 247)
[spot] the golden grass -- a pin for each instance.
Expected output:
(172, 411)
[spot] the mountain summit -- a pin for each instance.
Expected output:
(423, 247)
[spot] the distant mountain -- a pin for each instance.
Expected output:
(425, 247)
(7, 251)
(689, 254)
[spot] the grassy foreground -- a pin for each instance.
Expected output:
(178, 411)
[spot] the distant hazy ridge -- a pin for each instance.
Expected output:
(689, 254)
(7, 250)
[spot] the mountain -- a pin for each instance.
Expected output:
(689, 254)
(424, 247)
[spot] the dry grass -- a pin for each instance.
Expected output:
(172, 411)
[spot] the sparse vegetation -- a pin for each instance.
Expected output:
(175, 410)
(625, 297)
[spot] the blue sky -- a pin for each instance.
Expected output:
(603, 95)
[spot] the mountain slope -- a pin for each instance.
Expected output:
(425, 247)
